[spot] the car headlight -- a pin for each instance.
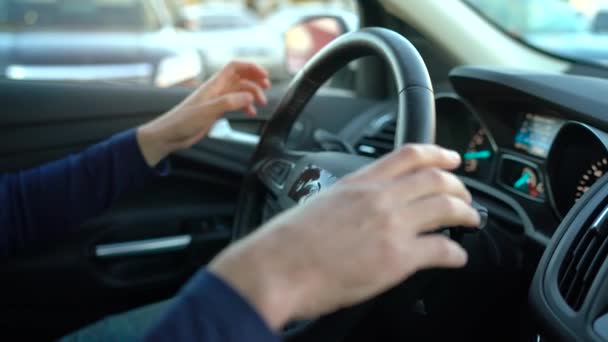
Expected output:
(177, 69)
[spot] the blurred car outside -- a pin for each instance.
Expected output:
(307, 28)
(600, 22)
(223, 32)
(132, 41)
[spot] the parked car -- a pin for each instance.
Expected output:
(305, 29)
(289, 16)
(600, 22)
(120, 40)
(222, 33)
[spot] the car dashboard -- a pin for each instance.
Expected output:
(533, 147)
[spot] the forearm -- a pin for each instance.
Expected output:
(208, 309)
(51, 199)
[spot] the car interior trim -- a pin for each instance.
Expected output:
(222, 130)
(474, 36)
(143, 247)
(529, 230)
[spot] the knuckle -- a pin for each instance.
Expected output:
(229, 101)
(413, 152)
(438, 178)
(232, 65)
(442, 248)
(448, 204)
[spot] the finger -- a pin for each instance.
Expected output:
(432, 251)
(229, 103)
(433, 212)
(247, 70)
(255, 89)
(407, 159)
(251, 110)
(265, 83)
(428, 182)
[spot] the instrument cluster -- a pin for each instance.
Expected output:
(539, 157)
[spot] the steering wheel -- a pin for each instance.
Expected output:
(279, 178)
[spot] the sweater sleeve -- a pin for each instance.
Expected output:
(53, 198)
(207, 309)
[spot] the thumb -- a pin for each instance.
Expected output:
(436, 250)
(229, 102)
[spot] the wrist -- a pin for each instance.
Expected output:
(255, 276)
(152, 144)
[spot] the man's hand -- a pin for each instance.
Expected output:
(364, 235)
(239, 86)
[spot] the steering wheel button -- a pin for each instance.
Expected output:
(277, 171)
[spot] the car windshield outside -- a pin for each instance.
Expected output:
(165, 43)
(573, 29)
(97, 15)
(226, 22)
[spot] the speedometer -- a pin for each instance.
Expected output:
(577, 159)
(590, 176)
(459, 128)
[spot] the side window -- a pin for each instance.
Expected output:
(279, 35)
(164, 43)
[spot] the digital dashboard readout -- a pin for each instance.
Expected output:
(536, 134)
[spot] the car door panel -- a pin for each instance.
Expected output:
(81, 281)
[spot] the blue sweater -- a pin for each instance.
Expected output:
(52, 199)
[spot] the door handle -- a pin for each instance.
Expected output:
(222, 130)
(143, 247)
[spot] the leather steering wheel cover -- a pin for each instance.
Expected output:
(416, 103)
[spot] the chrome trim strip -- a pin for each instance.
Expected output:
(78, 72)
(143, 247)
(222, 130)
(600, 220)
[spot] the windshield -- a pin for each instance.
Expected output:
(75, 14)
(575, 29)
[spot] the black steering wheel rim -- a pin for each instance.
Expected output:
(415, 123)
(415, 103)
(415, 97)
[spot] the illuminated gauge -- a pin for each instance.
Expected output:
(522, 177)
(478, 156)
(590, 176)
(529, 183)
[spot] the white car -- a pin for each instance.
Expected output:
(225, 33)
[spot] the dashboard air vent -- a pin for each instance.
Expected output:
(380, 142)
(583, 261)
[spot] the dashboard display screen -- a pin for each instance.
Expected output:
(536, 134)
